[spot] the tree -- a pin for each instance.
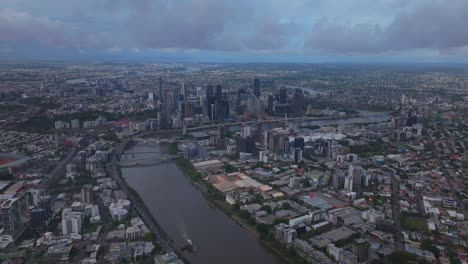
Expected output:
(427, 245)
(148, 237)
(262, 228)
(228, 168)
(266, 208)
(286, 206)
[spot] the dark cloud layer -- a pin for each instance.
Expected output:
(437, 25)
(240, 26)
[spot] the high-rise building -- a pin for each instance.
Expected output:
(188, 109)
(13, 212)
(271, 100)
(349, 183)
(360, 248)
(355, 172)
(45, 203)
(298, 153)
(337, 181)
(299, 143)
(38, 219)
(298, 105)
(210, 102)
(161, 89)
(257, 87)
(184, 92)
(33, 196)
(87, 194)
(284, 234)
(283, 99)
(71, 221)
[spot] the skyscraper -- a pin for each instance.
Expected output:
(299, 143)
(298, 105)
(71, 221)
(271, 99)
(257, 87)
(282, 95)
(220, 109)
(210, 102)
(360, 248)
(87, 195)
(13, 211)
(160, 88)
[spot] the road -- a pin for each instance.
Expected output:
(206, 127)
(59, 170)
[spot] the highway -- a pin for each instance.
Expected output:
(207, 127)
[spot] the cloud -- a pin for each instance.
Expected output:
(266, 27)
(271, 34)
(21, 27)
(436, 25)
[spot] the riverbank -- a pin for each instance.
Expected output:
(166, 243)
(217, 199)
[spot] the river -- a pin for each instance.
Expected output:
(183, 212)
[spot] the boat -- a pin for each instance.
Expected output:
(190, 246)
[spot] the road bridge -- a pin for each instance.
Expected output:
(139, 161)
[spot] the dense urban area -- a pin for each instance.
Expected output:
(319, 163)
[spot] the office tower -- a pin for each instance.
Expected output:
(223, 110)
(298, 153)
(184, 92)
(46, 204)
(349, 183)
(87, 195)
(151, 97)
(210, 102)
(209, 91)
(360, 248)
(38, 219)
(33, 196)
(283, 99)
(271, 99)
(355, 172)
(199, 92)
(337, 181)
(71, 221)
(298, 105)
(219, 92)
(188, 109)
(14, 211)
(221, 104)
(239, 99)
(299, 143)
(257, 88)
(160, 89)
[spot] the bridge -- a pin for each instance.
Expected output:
(253, 122)
(139, 161)
(163, 140)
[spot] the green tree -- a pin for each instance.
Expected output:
(148, 237)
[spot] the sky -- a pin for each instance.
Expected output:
(235, 30)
